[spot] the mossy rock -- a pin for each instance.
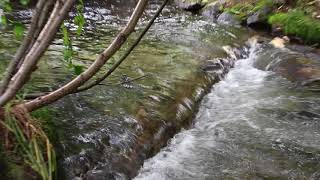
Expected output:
(257, 9)
(190, 5)
(227, 18)
(259, 17)
(297, 23)
(212, 10)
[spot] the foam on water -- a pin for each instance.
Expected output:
(240, 133)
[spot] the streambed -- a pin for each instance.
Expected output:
(109, 131)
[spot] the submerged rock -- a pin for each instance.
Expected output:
(228, 19)
(190, 5)
(279, 42)
(295, 66)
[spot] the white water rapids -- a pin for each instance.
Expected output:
(253, 125)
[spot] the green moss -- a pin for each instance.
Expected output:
(243, 10)
(297, 23)
(263, 3)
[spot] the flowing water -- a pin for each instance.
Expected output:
(253, 124)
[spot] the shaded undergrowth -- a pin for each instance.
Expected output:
(26, 151)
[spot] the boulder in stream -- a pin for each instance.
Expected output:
(260, 17)
(228, 19)
(212, 10)
(190, 5)
(300, 67)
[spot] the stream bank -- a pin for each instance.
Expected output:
(254, 124)
(299, 19)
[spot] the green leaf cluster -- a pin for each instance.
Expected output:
(18, 27)
(18, 30)
(68, 52)
(243, 10)
(79, 19)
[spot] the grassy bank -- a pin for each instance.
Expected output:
(299, 19)
(296, 18)
(26, 152)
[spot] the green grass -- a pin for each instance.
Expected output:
(36, 150)
(32, 147)
(298, 24)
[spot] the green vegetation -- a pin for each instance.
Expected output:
(44, 117)
(241, 10)
(263, 3)
(296, 23)
(296, 18)
(34, 145)
(244, 9)
(9, 169)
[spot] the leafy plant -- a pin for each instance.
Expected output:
(18, 30)
(68, 52)
(79, 18)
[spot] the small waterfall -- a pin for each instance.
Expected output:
(250, 126)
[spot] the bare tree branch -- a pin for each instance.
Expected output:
(23, 47)
(42, 21)
(43, 41)
(95, 67)
(127, 53)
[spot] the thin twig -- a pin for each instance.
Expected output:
(44, 39)
(100, 61)
(11, 70)
(127, 53)
(125, 82)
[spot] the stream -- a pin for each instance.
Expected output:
(205, 106)
(252, 125)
